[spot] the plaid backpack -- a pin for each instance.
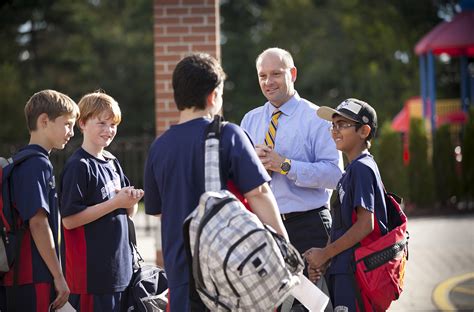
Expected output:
(238, 263)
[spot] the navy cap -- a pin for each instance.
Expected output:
(353, 109)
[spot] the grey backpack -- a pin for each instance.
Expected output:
(238, 263)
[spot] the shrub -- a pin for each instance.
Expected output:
(420, 175)
(388, 151)
(446, 179)
(468, 158)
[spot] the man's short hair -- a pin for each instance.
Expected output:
(97, 103)
(285, 56)
(51, 102)
(194, 78)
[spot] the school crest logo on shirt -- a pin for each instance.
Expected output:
(108, 190)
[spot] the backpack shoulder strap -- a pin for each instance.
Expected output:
(21, 156)
(212, 177)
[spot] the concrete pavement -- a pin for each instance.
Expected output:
(440, 268)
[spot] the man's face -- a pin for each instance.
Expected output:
(275, 79)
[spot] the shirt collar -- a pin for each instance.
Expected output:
(287, 109)
(36, 147)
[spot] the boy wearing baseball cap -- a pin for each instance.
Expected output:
(360, 195)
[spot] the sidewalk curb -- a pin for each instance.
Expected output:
(440, 295)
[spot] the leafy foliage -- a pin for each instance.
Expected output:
(446, 179)
(341, 49)
(388, 150)
(468, 158)
(420, 174)
(77, 47)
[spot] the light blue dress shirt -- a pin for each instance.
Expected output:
(303, 137)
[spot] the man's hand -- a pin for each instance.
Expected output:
(270, 159)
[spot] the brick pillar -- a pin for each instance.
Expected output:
(180, 28)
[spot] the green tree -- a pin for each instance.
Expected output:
(388, 151)
(341, 49)
(420, 174)
(240, 33)
(80, 46)
(446, 179)
(468, 158)
(11, 97)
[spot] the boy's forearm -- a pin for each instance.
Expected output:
(264, 205)
(43, 238)
(132, 211)
(358, 231)
(89, 214)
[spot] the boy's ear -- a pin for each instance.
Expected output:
(42, 121)
(364, 131)
(210, 99)
(80, 124)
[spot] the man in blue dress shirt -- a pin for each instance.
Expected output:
(300, 154)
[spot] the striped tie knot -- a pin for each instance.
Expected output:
(272, 127)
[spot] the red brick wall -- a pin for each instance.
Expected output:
(180, 28)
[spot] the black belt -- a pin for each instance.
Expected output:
(291, 215)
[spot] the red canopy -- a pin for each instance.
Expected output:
(401, 122)
(454, 38)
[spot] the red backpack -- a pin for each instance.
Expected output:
(380, 265)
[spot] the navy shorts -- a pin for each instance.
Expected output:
(341, 289)
(97, 303)
(179, 298)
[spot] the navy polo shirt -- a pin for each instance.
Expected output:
(34, 188)
(97, 255)
(361, 185)
(174, 181)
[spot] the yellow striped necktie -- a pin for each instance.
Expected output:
(272, 128)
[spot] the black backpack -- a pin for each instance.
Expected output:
(148, 289)
(12, 229)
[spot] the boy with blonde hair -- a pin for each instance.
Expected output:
(96, 200)
(50, 118)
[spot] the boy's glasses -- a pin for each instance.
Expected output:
(341, 125)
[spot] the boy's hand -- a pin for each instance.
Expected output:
(315, 257)
(315, 274)
(127, 197)
(135, 193)
(62, 292)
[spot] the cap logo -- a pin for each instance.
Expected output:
(365, 119)
(351, 106)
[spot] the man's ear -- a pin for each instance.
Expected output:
(294, 73)
(42, 121)
(364, 131)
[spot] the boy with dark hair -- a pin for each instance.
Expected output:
(174, 172)
(50, 118)
(359, 204)
(96, 200)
